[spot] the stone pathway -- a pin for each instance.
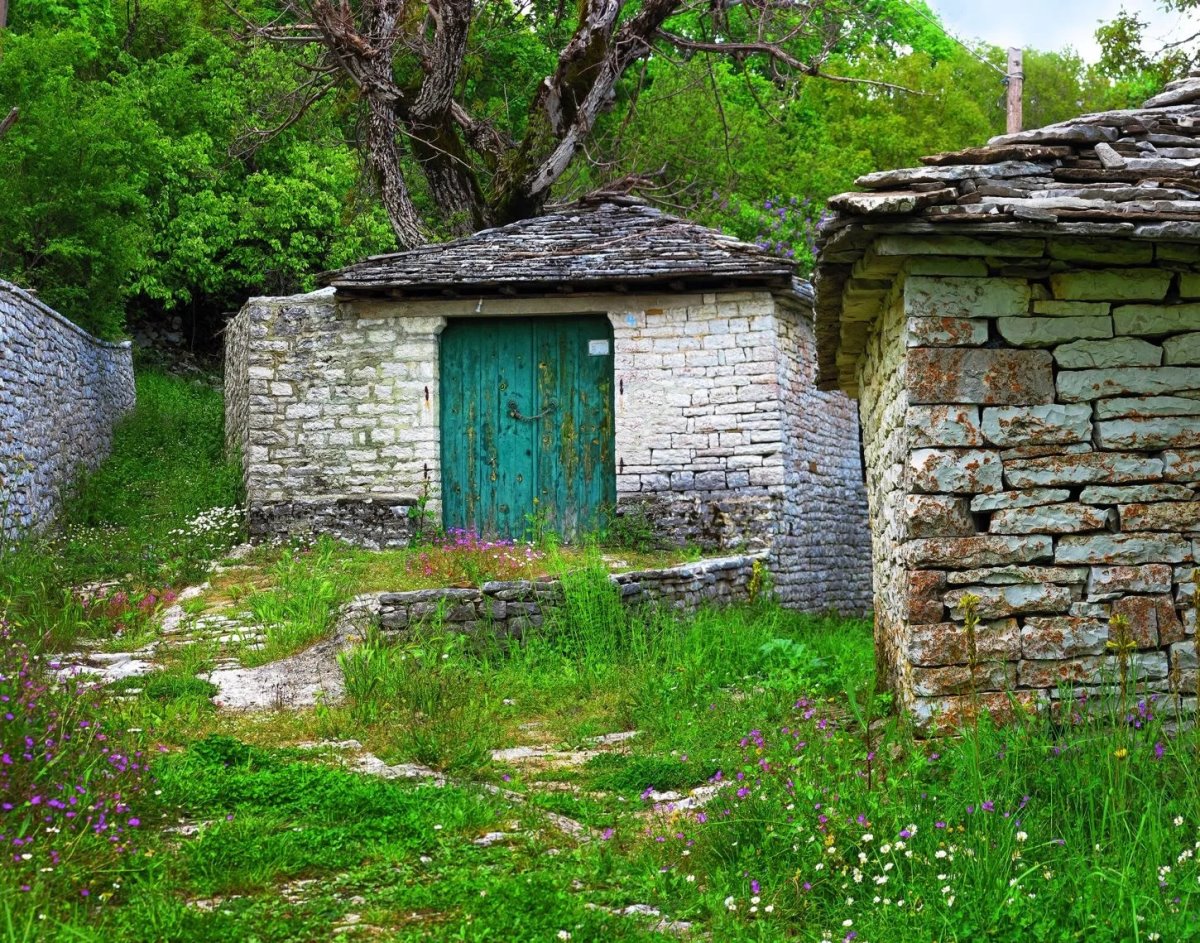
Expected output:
(314, 676)
(176, 630)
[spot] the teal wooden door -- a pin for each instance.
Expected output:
(527, 424)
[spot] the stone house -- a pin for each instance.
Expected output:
(1020, 324)
(599, 360)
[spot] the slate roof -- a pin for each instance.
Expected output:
(1132, 174)
(608, 246)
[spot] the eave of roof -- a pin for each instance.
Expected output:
(1131, 174)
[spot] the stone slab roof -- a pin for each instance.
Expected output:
(604, 247)
(1131, 174)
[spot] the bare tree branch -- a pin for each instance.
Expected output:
(303, 98)
(406, 61)
(778, 54)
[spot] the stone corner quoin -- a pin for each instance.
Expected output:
(1032, 437)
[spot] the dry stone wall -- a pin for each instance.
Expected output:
(335, 416)
(510, 608)
(883, 402)
(61, 392)
(822, 546)
(1050, 461)
(699, 423)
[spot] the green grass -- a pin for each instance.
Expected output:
(831, 821)
(152, 516)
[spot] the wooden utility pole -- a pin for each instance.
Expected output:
(3, 13)
(1016, 82)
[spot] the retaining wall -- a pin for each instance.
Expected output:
(509, 608)
(61, 392)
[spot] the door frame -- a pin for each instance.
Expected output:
(609, 487)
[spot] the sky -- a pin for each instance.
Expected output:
(1055, 24)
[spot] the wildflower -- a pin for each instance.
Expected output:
(564, 935)
(1021, 836)
(1177, 821)
(730, 903)
(1121, 753)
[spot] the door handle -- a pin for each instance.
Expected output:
(515, 413)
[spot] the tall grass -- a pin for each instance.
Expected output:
(155, 513)
(1045, 829)
(428, 695)
(592, 666)
(299, 608)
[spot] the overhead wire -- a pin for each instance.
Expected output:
(949, 35)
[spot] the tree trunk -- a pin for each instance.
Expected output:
(451, 178)
(384, 156)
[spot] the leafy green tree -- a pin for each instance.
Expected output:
(129, 179)
(1139, 69)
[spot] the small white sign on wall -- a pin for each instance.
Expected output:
(598, 348)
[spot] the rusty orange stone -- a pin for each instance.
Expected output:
(959, 679)
(1062, 637)
(934, 716)
(1142, 613)
(945, 643)
(987, 377)
(1050, 674)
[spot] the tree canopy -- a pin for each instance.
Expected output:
(180, 155)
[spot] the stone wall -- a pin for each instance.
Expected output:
(1051, 465)
(508, 609)
(822, 546)
(883, 403)
(237, 387)
(699, 421)
(340, 418)
(720, 440)
(61, 391)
